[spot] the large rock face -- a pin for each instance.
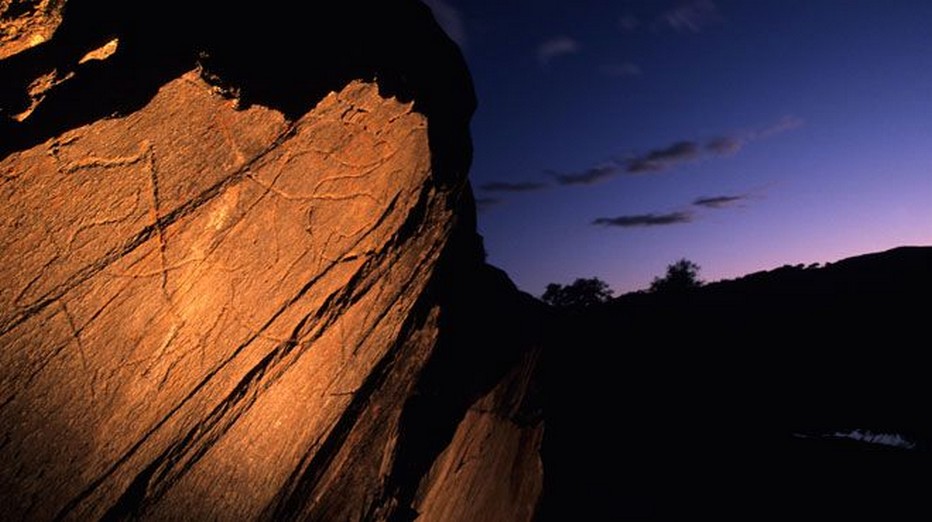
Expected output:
(211, 310)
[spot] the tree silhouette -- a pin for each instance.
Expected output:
(581, 293)
(681, 276)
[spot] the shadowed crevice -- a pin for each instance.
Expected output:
(485, 327)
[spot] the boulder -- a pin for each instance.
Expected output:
(243, 281)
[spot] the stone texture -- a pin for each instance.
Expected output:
(491, 470)
(211, 312)
(25, 23)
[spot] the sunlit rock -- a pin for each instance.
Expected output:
(215, 308)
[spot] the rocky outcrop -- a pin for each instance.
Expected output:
(26, 23)
(247, 285)
(491, 468)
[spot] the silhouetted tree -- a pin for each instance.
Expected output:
(681, 276)
(579, 294)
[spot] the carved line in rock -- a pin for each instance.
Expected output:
(134, 159)
(153, 470)
(284, 349)
(199, 440)
(174, 328)
(292, 502)
(138, 240)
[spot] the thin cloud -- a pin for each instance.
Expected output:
(646, 220)
(621, 69)
(725, 145)
(661, 159)
(784, 124)
(730, 144)
(883, 439)
(680, 152)
(504, 186)
(450, 19)
(555, 48)
(483, 204)
(717, 202)
(678, 217)
(652, 161)
(588, 176)
(692, 16)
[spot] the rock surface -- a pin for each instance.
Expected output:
(492, 465)
(214, 309)
(26, 23)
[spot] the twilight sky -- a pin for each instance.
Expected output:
(615, 137)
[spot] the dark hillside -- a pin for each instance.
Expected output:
(725, 400)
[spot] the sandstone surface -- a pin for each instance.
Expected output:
(221, 303)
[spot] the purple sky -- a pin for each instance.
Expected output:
(615, 137)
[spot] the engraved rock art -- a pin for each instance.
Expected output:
(218, 310)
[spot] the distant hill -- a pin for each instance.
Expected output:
(731, 395)
(896, 270)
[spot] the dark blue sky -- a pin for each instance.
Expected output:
(614, 137)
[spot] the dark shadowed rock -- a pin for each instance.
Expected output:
(241, 278)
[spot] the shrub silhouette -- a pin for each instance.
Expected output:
(580, 294)
(681, 276)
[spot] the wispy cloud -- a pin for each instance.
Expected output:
(725, 145)
(678, 217)
(652, 161)
(894, 440)
(555, 48)
(784, 124)
(677, 153)
(645, 220)
(588, 176)
(661, 159)
(621, 69)
(483, 204)
(730, 144)
(691, 15)
(450, 19)
(718, 201)
(505, 186)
